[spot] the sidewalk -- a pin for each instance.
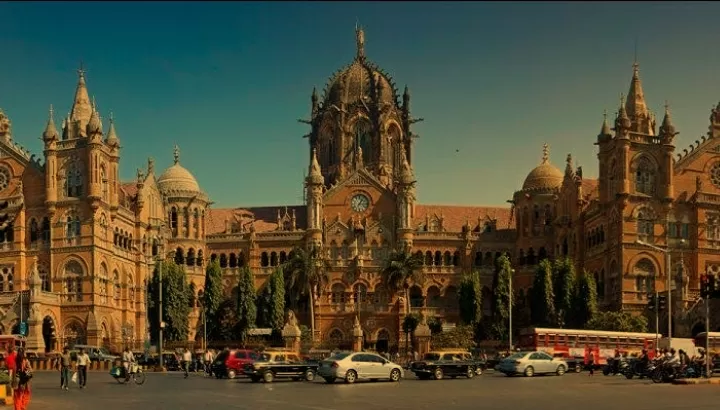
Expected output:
(697, 381)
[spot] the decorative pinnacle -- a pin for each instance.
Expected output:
(112, 117)
(52, 113)
(546, 153)
(360, 40)
(176, 153)
(605, 115)
(667, 106)
(81, 71)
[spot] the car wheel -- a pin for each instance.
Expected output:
(470, 373)
(329, 380)
(231, 374)
(395, 375)
(350, 377)
(578, 368)
(478, 371)
(529, 371)
(560, 370)
(309, 375)
(438, 374)
(268, 376)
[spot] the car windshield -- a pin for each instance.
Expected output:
(104, 351)
(263, 357)
(516, 356)
(431, 356)
(339, 356)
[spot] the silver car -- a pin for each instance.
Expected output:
(532, 363)
(358, 366)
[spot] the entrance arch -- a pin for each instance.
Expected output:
(48, 333)
(383, 340)
(697, 329)
(74, 334)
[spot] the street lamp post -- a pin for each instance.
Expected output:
(668, 272)
(708, 373)
(510, 306)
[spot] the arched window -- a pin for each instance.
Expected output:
(103, 285)
(331, 152)
(644, 272)
(116, 288)
(438, 260)
(199, 260)
(363, 139)
(34, 231)
(190, 257)
(104, 183)
(428, 258)
(223, 260)
(196, 223)
(433, 298)
(338, 293)
(360, 293)
(417, 299)
(273, 259)
(45, 228)
(131, 291)
(179, 256)
(174, 220)
(74, 181)
(381, 297)
(456, 258)
(264, 260)
(73, 278)
(478, 259)
(44, 278)
(644, 176)
(645, 225)
(612, 179)
(186, 223)
(336, 336)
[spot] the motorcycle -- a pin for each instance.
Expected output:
(640, 369)
(136, 374)
(616, 366)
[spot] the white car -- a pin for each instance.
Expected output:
(358, 366)
(532, 363)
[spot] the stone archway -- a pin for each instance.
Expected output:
(698, 328)
(104, 335)
(49, 334)
(74, 334)
(382, 344)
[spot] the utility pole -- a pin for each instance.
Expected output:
(668, 272)
(510, 306)
(204, 328)
(708, 371)
(160, 315)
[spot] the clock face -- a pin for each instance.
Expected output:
(359, 203)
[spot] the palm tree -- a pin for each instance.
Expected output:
(306, 272)
(402, 269)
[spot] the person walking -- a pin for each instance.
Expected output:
(21, 383)
(208, 358)
(186, 359)
(591, 363)
(83, 361)
(63, 363)
(10, 361)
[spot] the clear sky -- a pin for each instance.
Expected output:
(228, 81)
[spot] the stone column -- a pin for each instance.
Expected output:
(291, 333)
(34, 342)
(357, 334)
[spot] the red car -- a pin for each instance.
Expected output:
(230, 363)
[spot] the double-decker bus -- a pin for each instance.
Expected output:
(15, 340)
(578, 343)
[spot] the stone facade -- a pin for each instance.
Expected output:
(96, 239)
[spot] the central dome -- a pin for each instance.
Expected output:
(545, 177)
(177, 178)
(359, 81)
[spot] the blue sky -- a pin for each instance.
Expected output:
(228, 81)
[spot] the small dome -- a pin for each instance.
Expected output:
(177, 178)
(545, 176)
(360, 81)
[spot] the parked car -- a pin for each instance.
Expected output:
(359, 366)
(97, 354)
(272, 365)
(438, 364)
(575, 364)
(231, 363)
(532, 363)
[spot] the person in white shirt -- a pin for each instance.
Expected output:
(83, 361)
(186, 359)
(208, 358)
(127, 358)
(674, 359)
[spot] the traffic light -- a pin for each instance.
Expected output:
(712, 286)
(651, 301)
(662, 302)
(704, 286)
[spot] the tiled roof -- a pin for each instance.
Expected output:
(455, 217)
(130, 188)
(265, 218)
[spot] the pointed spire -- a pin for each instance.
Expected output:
(94, 126)
(635, 104)
(622, 120)
(667, 128)
(605, 130)
(81, 108)
(176, 154)
(112, 137)
(569, 165)
(51, 132)
(315, 174)
(546, 154)
(406, 99)
(360, 41)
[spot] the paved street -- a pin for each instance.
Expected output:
(572, 391)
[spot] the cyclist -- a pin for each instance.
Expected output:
(127, 359)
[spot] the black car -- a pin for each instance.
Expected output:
(575, 364)
(272, 365)
(437, 365)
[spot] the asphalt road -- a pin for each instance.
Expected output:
(571, 391)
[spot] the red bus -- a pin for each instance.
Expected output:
(577, 343)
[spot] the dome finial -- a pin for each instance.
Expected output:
(176, 154)
(81, 72)
(360, 40)
(546, 153)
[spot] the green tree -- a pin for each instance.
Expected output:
(501, 297)
(460, 337)
(470, 298)
(618, 322)
(409, 324)
(563, 290)
(401, 270)
(212, 294)
(176, 301)
(246, 308)
(226, 321)
(306, 273)
(584, 301)
(276, 306)
(435, 324)
(543, 299)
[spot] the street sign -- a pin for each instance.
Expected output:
(23, 328)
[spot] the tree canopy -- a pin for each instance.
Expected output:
(563, 290)
(246, 308)
(212, 294)
(618, 322)
(470, 298)
(176, 307)
(542, 297)
(401, 269)
(460, 337)
(584, 301)
(276, 307)
(502, 303)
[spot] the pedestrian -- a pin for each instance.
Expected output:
(208, 358)
(186, 359)
(10, 361)
(83, 361)
(21, 383)
(591, 363)
(63, 363)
